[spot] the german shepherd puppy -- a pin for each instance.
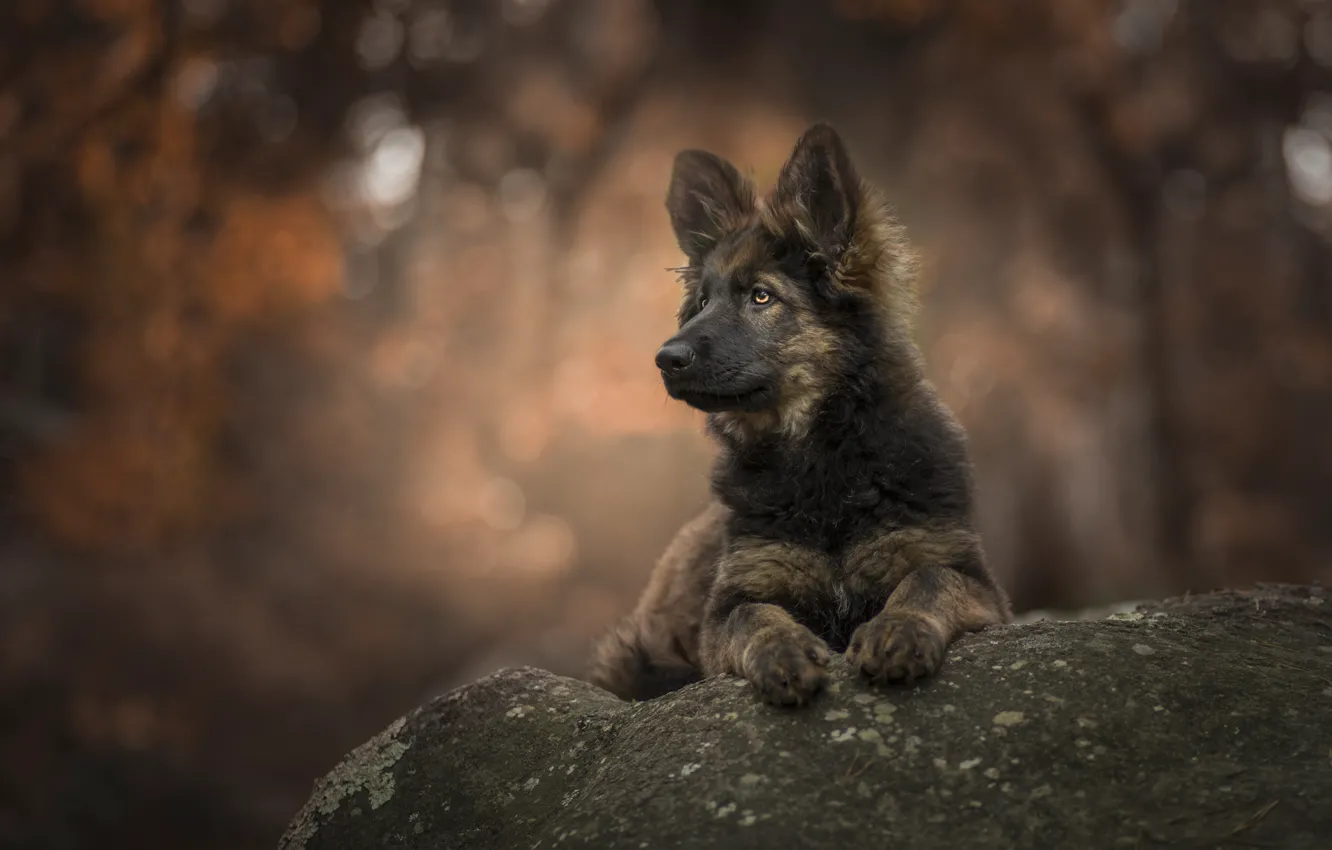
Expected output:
(842, 513)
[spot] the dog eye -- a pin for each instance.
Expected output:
(702, 302)
(760, 296)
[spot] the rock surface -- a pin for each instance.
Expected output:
(1198, 722)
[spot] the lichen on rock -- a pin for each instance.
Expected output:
(367, 768)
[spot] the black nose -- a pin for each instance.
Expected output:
(675, 356)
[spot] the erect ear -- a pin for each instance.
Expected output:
(818, 193)
(707, 196)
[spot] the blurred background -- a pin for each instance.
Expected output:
(326, 337)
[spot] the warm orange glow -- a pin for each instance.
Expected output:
(327, 335)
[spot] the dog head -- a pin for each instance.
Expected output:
(781, 296)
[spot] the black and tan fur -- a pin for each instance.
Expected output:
(842, 517)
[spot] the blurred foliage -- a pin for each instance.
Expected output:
(325, 332)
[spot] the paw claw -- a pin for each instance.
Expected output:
(788, 669)
(896, 648)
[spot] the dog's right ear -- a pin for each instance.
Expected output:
(818, 194)
(707, 197)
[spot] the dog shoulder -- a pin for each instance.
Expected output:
(685, 572)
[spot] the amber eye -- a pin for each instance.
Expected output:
(760, 296)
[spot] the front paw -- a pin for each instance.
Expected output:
(896, 647)
(787, 668)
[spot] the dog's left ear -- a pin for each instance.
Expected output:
(819, 193)
(707, 197)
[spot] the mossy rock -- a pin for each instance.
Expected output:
(1199, 722)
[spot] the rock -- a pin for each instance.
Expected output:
(1197, 722)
